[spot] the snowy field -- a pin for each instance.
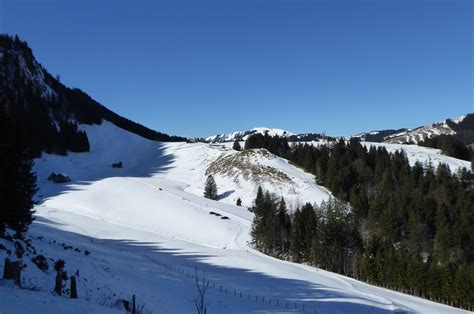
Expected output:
(147, 228)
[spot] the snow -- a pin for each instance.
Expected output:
(243, 135)
(34, 74)
(459, 119)
(416, 153)
(271, 131)
(190, 162)
(421, 133)
(24, 301)
(424, 155)
(147, 229)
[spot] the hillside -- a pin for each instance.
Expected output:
(146, 232)
(128, 217)
(46, 113)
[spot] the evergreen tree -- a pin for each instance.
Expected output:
(258, 218)
(210, 188)
(17, 181)
(238, 202)
(236, 146)
(283, 227)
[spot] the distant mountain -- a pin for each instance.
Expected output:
(378, 136)
(242, 135)
(46, 113)
(461, 128)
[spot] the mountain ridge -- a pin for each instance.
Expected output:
(462, 127)
(45, 111)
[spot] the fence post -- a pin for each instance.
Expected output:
(134, 305)
(73, 292)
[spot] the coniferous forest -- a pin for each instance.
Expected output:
(407, 228)
(49, 117)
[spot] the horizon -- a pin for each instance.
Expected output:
(342, 135)
(341, 68)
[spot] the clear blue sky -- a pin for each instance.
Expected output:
(197, 68)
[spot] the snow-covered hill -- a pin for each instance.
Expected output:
(239, 174)
(446, 127)
(242, 135)
(419, 134)
(424, 155)
(146, 228)
(416, 153)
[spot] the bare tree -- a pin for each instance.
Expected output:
(202, 285)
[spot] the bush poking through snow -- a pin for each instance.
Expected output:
(237, 146)
(134, 308)
(202, 285)
(41, 262)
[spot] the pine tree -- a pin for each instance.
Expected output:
(236, 146)
(283, 227)
(238, 202)
(210, 188)
(258, 218)
(24, 184)
(17, 182)
(297, 236)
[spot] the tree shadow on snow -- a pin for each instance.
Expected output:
(231, 289)
(225, 194)
(83, 169)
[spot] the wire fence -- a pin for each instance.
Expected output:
(233, 292)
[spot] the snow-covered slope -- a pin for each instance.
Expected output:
(242, 135)
(416, 153)
(424, 155)
(146, 229)
(239, 174)
(428, 131)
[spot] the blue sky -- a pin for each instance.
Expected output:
(197, 68)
